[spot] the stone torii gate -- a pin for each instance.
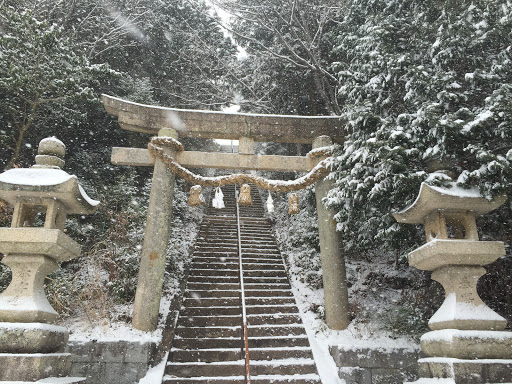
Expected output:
(247, 128)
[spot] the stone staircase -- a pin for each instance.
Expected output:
(209, 346)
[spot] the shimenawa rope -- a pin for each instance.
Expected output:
(316, 174)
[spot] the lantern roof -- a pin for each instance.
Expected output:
(452, 198)
(46, 183)
(46, 180)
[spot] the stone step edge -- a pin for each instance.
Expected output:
(237, 327)
(236, 290)
(207, 379)
(274, 315)
(238, 307)
(251, 338)
(258, 349)
(279, 362)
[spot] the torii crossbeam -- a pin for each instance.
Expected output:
(247, 128)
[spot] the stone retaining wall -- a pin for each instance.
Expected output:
(115, 362)
(362, 365)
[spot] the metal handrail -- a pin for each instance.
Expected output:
(242, 295)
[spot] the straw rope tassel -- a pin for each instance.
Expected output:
(245, 195)
(293, 204)
(196, 199)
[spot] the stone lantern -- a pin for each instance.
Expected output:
(467, 343)
(34, 245)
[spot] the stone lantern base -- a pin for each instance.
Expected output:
(33, 351)
(437, 370)
(466, 357)
(32, 367)
(50, 380)
(32, 338)
(462, 344)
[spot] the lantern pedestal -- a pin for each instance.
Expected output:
(457, 265)
(32, 254)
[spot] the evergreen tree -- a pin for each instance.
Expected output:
(166, 53)
(42, 80)
(425, 86)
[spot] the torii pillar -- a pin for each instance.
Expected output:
(333, 262)
(158, 229)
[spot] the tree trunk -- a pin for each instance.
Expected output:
(24, 128)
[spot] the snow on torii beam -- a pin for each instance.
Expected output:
(221, 125)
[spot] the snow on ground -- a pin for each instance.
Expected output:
(319, 345)
(155, 374)
(83, 331)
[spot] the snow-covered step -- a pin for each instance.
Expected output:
(260, 266)
(261, 379)
(255, 231)
(206, 355)
(210, 311)
(214, 272)
(275, 318)
(209, 321)
(211, 302)
(284, 285)
(221, 265)
(216, 252)
(269, 300)
(198, 368)
(215, 343)
(290, 379)
(267, 330)
(257, 241)
(218, 237)
(195, 294)
(268, 292)
(258, 236)
(217, 249)
(265, 279)
(212, 286)
(217, 243)
(261, 255)
(264, 273)
(283, 367)
(257, 251)
(208, 332)
(262, 260)
(213, 279)
(278, 341)
(282, 308)
(207, 257)
(260, 247)
(280, 353)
